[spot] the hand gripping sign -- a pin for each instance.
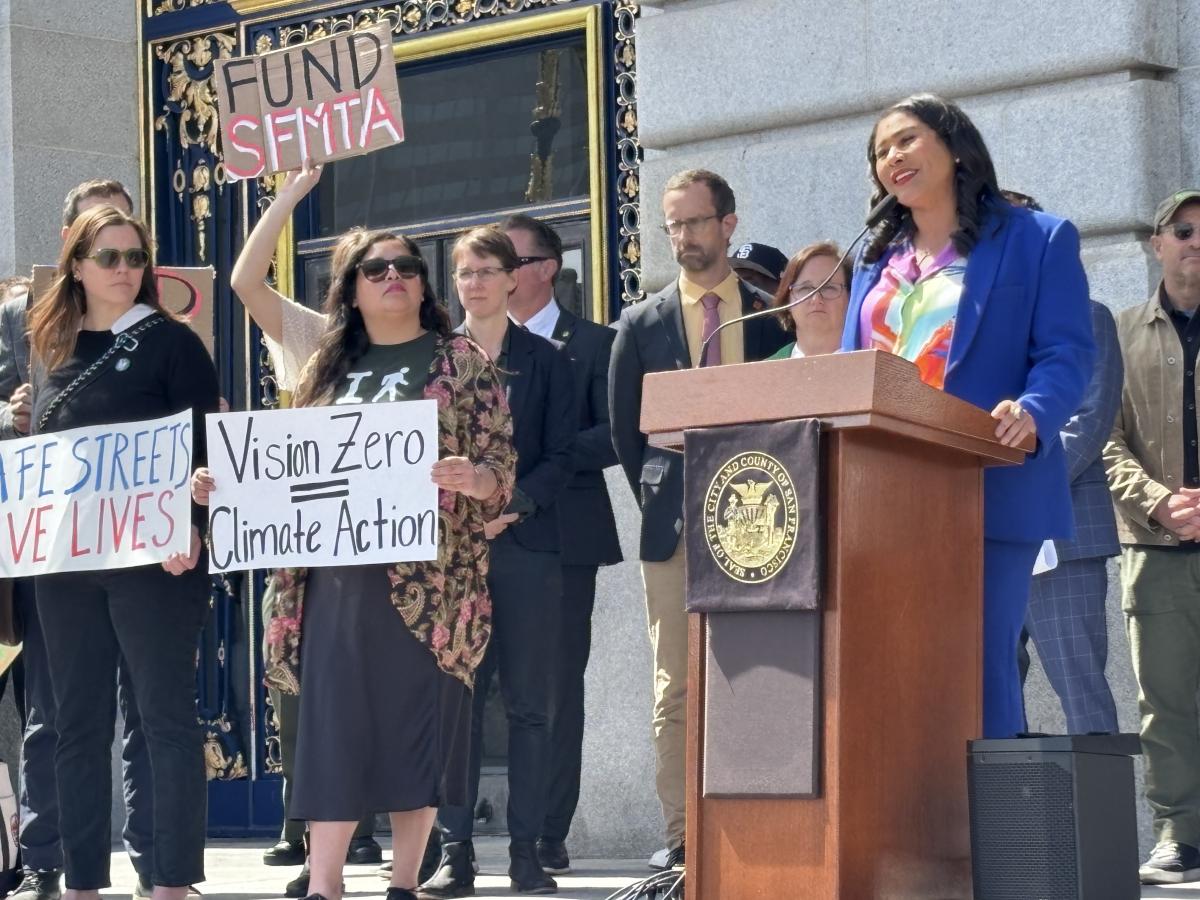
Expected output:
(328, 99)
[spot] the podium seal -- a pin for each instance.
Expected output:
(751, 517)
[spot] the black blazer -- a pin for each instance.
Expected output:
(14, 358)
(586, 523)
(540, 391)
(650, 338)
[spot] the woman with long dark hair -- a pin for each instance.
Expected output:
(385, 727)
(991, 304)
(105, 352)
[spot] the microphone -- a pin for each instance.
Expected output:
(876, 214)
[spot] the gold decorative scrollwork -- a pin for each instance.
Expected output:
(170, 6)
(629, 152)
(190, 106)
(221, 761)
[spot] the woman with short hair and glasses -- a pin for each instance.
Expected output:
(525, 576)
(817, 321)
(990, 302)
(389, 652)
(105, 352)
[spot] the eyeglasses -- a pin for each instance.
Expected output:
(376, 268)
(1183, 231)
(828, 292)
(486, 274)
(676, 227)
(526, 260)
(135, 258)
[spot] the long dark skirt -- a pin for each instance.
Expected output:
(381, 728)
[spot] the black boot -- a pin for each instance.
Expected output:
(526, 874)
(432, 858)
(298, 886)
(286, 853)
(454, 876)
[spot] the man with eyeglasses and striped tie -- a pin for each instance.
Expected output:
(664, 332)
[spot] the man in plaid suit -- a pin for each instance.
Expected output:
(1066, 606)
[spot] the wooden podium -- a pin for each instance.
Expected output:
(900, 684)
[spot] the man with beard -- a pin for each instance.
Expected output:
(660, 333)
(1154, 474)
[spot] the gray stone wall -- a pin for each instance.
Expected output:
(1091, 107)
(68, 112)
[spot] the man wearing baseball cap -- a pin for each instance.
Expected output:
(1153, 467)
(760, 266)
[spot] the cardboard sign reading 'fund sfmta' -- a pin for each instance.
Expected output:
(323, 486)
(328, 99)
(100, 497)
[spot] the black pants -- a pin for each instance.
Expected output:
(153, 620)
(566, 686)
(526, 591)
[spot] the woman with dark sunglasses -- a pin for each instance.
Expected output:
(105, 296)
(388, 652)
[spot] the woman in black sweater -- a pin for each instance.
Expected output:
(151, 614)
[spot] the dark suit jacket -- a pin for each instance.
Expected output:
(586, 523)
(1083, 439)
(650, 338)
(541, 398)
(14, 358)
(1022, 332)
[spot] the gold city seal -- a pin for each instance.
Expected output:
(751, 517)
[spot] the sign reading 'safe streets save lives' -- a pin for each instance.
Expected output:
(93, 498)
(751, 495)
(326, 100)
(323, 486)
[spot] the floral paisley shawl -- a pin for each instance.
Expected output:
(444, 603)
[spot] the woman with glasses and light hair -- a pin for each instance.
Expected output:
(389, 652)
(104, 351)
(817, 321)
(525, 575)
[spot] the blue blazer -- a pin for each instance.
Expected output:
(1024, 332)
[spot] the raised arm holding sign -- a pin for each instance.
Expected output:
(328, 99)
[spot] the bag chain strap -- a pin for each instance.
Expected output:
(126, 340)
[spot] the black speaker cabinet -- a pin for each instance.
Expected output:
(1054, 818)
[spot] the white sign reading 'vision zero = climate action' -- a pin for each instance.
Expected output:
(324, 486)
(100, 497)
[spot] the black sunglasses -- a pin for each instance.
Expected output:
(526, 260)
(135, 258)
(1183, 231)
(407, 267)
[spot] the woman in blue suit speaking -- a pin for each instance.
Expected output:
(991, 303)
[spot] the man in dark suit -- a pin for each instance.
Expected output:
(587, 528)
(1066, 606)
(660, 333)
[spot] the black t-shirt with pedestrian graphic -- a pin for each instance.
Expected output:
(389, 372)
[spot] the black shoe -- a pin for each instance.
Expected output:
(527, 876)
(454, 876)
(285, 853)
(39, 885)
(364, 851)
(1171, 863)
(298, 886)
(429, 862)
(552, 856)
(316, 897)
(395, 893)
(44, 885)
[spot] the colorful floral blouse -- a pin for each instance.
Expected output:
(911, 310)
(445, 604)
